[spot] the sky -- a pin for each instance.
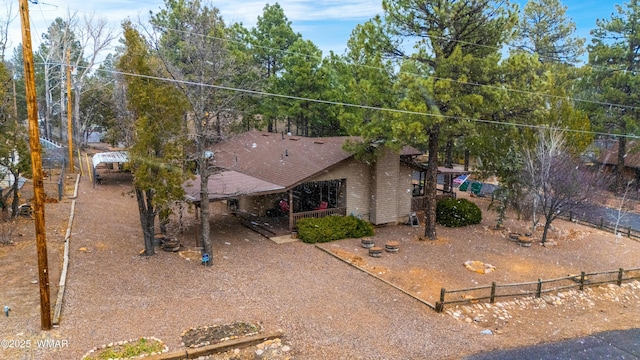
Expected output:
(327, 23)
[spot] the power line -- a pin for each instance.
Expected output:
(466, 83)
(366, 107)
(489, 86)
(495, 87)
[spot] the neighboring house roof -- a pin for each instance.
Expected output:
(228, 184)
(631, 159)
(441, 169)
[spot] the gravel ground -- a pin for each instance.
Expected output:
(325, 308)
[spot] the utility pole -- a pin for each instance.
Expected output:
(69, 121)
(36, 167)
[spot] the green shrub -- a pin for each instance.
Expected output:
(457, 212)
(330, 228)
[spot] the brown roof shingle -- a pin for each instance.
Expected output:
(631, 159)
(279, 159)
(226, 185)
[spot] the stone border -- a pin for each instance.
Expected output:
(259, 329)
(482, 312)
(215, 348)
(165, 348)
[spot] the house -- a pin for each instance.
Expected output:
(608, 159)
(269, 174)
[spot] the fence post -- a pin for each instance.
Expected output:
(493, 292)
(440, 304)
(571, 216)
(629, 232)
(601, 223)
(539, 290)
(582, 274)
(620, 274)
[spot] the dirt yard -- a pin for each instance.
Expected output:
(325, 307)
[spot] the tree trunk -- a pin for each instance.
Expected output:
(204, 205)
(15, 204)
(466, 159)
(78, 128)
(622, 153)
(4, 209)
(48, 101)
(431, 183)
(448, 163)
(147, 216)
(163, 219)
(547, 224)
(63, 106)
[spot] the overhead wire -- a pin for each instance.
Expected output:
(496, 87)
(366, 107)
(467, 83)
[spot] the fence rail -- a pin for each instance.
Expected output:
(317, 214)
(600, 223)
(536, 288)
(419, 203)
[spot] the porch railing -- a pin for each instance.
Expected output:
(316, 214)
(419, 203)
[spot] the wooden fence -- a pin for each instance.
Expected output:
(600, 223)
(536, 288)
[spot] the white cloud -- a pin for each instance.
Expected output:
(327, 23)
(300, 10)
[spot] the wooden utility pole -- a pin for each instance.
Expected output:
(36, 167)
(69, 119)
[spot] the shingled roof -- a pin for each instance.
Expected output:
(279, 159)
(228, 185)
(632, 157)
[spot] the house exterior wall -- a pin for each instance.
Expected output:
(357, 175)
(404, 193)
(384, 195)
(380, 194)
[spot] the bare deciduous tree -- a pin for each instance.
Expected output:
(4, 29)
(94, 36)
(536, 169)
(555, 181)
(195, 48)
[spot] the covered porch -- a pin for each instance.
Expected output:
(265, 207)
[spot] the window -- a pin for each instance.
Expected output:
(318, 195)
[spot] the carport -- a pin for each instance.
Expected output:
(112, 157)
(228, 185)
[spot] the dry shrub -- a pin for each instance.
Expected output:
(6, 232)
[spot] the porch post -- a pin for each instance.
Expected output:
(291, 210)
